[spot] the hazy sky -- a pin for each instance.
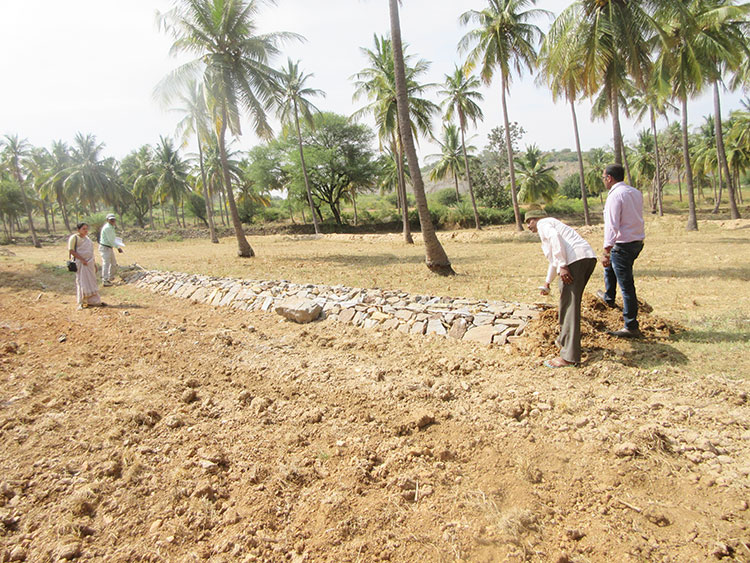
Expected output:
(92, 65)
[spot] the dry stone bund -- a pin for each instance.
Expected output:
(485, 322)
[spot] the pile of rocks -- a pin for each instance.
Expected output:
(485, 322)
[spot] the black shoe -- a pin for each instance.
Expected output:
(601, 296)
(625, 333)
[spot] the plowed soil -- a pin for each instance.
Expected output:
(156, 430)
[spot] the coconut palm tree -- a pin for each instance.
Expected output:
(738, 146)
(690, 39)
(144, 179)
(561, 65)
(597, 159)
(535, 178)
(706, 157)
(377, 83)
(731, 24)
(14, 153)
(435, 257)
(196, 121)
(450, 159)
(614, 36)
(504, 39)
(292, 99)
(644, 165)
(233, 64)
(170, 173)
(653, 100)
(59, 161)
(460, 98)
(88, 177)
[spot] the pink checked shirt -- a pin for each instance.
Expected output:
(623, 215)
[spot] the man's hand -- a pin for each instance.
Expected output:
(606, 262)
(119, 250)
(544, 289)
(565, 275)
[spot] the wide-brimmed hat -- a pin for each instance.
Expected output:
(111, 216)
(534, 214)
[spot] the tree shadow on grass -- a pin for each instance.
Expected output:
(378, 260)
(645, 354)
(712, 336)
(742, 274)
(43, 277)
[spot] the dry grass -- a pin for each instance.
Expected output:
(699, 279)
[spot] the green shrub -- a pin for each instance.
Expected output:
(493, 216)
(446, 196)
(571, 187)
(437, 213)
(173, 237)
(461, 215)
(563, 207)
(95, 222)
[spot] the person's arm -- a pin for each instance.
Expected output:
(72, 245)
(551, 275)
(612, 211)
(558, 256)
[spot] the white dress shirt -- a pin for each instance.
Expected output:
(561, 245)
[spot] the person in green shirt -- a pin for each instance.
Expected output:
(107, 247)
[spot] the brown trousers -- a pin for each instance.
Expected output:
(570, 309)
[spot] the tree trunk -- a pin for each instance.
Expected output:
(435, 257)
(61, 203)
(46, 216)
(734, 212)
(399, 154)
(616, 133)
(207, 196)
(176, 213)
(625, 162)
(511, 167)
(584, 197)
(244, 249)
(679, 183)
(657, 160)
(222, 205)
(304, 169)
(336, 213)
(455, 184)
(717, 197)
(354, 204)
(26, 206)
(692, 224)
(468, 172)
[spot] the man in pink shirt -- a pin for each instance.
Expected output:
(623, 241)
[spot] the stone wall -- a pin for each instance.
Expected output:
(486, 322)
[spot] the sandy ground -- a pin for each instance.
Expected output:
(156, 430)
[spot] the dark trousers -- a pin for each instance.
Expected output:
(620, 272)
(570, 309)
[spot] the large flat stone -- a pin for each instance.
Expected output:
(298, 309)
(481, 334)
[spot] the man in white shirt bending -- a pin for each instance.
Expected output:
(573, 259)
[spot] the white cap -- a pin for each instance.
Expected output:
(111, 216)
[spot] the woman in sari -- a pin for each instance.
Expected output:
(81, 248)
